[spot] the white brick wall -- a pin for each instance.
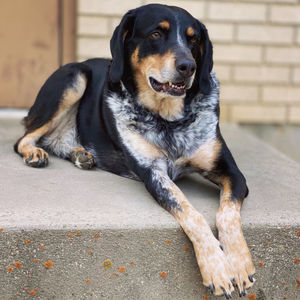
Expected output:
(256, 51)
(285, 14)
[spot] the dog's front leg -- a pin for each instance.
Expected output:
(215, 162)
(149, 163)
(215, 270)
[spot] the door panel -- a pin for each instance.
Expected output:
(30, 49)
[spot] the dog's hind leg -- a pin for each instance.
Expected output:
(51, 121)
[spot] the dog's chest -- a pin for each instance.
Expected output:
(176, 139)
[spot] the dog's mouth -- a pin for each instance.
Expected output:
(174, 89)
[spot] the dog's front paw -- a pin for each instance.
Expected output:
(240, 259)
(216, 271)
(82, 159)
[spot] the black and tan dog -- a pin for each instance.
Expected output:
(152, 114)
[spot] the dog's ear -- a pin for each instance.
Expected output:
(206, 60)
(122, 32)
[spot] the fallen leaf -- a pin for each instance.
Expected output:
(48, 264)
(163, 274)
(107, 263)
(122, 269)
(18, 264)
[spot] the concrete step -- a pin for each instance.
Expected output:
(84, 218)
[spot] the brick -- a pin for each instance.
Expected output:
(258, 114)
(195, 8)
(284, 55)
(265, 34)
(285, 14)
(92, 25)
(96, 47)
(281, 94)
(238, 93)
(261, 74)
(296, 75)
(294, 114)
(112, 7)
(236, 11)
(223, 72)
(237, 53)
(220, 32)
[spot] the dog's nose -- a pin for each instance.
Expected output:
(185, 67)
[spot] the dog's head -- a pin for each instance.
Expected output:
(167, 51)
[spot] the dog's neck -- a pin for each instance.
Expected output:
(169, 108)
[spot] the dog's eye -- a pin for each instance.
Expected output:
(193, 39)
(156, 35)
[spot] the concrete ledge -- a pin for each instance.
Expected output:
(45, 205)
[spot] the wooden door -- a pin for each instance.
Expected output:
(36, 36)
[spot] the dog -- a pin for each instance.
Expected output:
(151, 114)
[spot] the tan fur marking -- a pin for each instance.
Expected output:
(166, 106)
(142, 146)
(190, 31)
(231, 236)
(205, 156)
(211, 259)
(164, 25)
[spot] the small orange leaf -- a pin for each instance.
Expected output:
(9, 269)
(48, 264)
(260, 264)
(90, 252)
(18, 264)
(70, 235)
(168, 242)
(252, 297)
(28, 241)
(122, 269)
(296, 260)
(163, 274)
(87, 280)
(32, 293)
(96, 235)
(1, 229)
(186, 249)
(36, 261)
(42, 246)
